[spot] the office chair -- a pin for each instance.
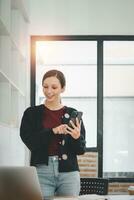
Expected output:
(94, 186)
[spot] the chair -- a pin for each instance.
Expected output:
(94, 186)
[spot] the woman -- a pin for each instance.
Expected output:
(53, 144)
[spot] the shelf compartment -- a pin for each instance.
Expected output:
(14, 107)
(5, 54)
(19, 32)
(5, 103)
(23, 6)
(5, 8)
(3, 29)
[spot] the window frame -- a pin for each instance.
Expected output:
(100, 41)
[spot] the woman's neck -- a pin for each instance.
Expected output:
(53, 105)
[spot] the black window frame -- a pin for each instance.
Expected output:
(100, 41)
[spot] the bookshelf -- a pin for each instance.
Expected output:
(14, 69)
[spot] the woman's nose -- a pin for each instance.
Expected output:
(49, 90)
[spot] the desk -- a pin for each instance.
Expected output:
(97, 197)
(106, 197)
(120, 197)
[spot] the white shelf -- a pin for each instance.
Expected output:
(6, 79)
(14, 107)
(23, 6)
(11, 149)
(14, 61)
(10, 103)
(3, 28)
(3, 78)
(5, 8)
(5, 103)
(4, 144)
(18, 31)
(5, 54)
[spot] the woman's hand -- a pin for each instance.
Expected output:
(61, 129)
(65, 129)
(75, 131)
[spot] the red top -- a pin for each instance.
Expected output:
(52, 119)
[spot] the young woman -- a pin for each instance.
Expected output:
(53, 144)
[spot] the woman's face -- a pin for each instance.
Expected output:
(52, 89)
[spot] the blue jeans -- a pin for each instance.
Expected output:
(54, 183)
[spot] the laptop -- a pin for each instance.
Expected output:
(19, 183)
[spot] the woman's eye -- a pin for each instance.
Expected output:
(45, 87)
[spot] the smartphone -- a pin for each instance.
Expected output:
(73, 116)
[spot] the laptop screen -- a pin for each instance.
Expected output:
(19, 183)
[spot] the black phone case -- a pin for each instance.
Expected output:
(73, 116)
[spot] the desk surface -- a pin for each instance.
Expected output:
(120, 197)
(106, 197)
(97, 197)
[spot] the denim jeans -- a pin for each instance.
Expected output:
(54, 183)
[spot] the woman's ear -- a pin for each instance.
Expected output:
(63, 89)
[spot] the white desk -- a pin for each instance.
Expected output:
(120, 197)
(97, 197)
(106, 197)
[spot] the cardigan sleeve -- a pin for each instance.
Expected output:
(33, 137)
(78, 146)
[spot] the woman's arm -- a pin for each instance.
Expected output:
(33, 137)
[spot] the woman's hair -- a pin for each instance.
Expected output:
(56, 73)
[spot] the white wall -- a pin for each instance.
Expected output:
(77, 17)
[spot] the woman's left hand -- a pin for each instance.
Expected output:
(75, 130)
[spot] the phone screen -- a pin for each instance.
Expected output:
(73, 116)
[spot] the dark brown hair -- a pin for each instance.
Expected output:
(56, 73)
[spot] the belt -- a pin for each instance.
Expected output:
(54, 157)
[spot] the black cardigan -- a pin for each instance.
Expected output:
(37, 139)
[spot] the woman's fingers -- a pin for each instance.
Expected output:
(75, 131)
(60, 129)
(78, 123)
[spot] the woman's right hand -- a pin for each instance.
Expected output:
(61, 129)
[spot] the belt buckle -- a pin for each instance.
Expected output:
(55, 158)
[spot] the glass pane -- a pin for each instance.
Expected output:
(77, 60)
(118, 108)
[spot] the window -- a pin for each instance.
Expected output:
(103, 67)
(78, 61)
(118, 108)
